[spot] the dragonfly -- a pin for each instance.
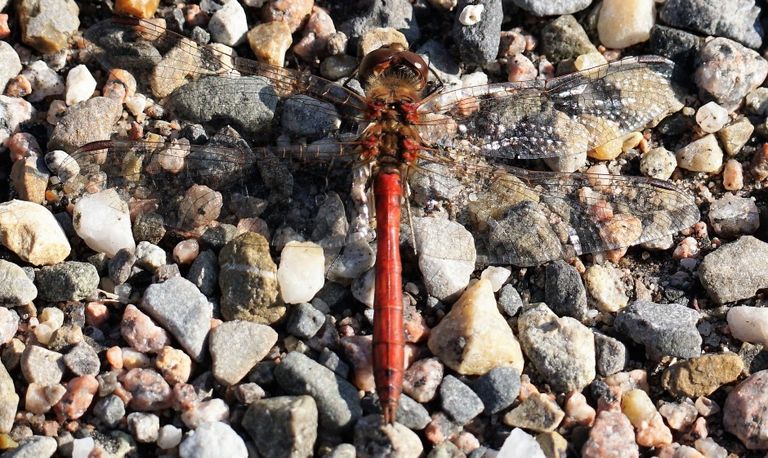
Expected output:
(405, 128)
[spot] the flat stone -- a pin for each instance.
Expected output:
(664, 329)
(537, 413)
(498, 388)
(703, 375)
(282, 426)
(446, 256)
(68, 281)
(736, 19)
(731, 216)
(552, 7)
(42, 366)
(253, 342)
(735, 270)
(34, 447)
(459, 401)
(32, 232)
(47, 25)
(564, 291)
(85, 122)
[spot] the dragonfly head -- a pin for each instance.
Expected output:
(396, 61)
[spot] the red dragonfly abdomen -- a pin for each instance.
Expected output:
(388, 337)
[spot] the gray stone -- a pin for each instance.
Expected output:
(735, 270)
(182, 310)
(397, 14)
(9, 400)
(40, 365)
(411, 414)
(332, 361)
(252, 341)
(120, 266)
(85, 122)
(110, 410)
(446, 256)
(68, 281)
(498, 388)
(664, 329)
(305, 321)
(564, 291)
(459, 401)
(337, 401)
(11, 64)
(564, 38)
(16, 288)
(306, 117)
(552, 7)
(479, 43)
(611, 355)
(204, 272)
(283, 426)
(82, 359)
(735, 19)
(33, 447)
(444, 64)
(510, 301)
(677, 45)
(372, 439)
(731, 216)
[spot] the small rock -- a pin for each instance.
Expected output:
(728, 71)
(253, 342)
(398, 15)
(422, 379)
(181, 309)
(229, 25)
(577, 410)
(373, 439)
(32, 232)
(552, 7)
(82, 360)
(40, 399)
(498, 388)
(651, 430)
(307, 117)
(305, 321)
(735, 270)
(110, 410)
(12, 63)
(744, 411)
(623, 23)
(270, 41)
(144, 9)
(15, 289)
(149, 391)
(144, 427)
(42, 366)
(411, 414)
(478, 40)
(9, 324)
(733, 175)
(150, 256)
(16, 111)
(564, 38)
(301, 273)
(664, 329)
(337, 401)
(612, 431)
(680, 415)
(29, 177)
(510, 301)
(282, 425)
(737, 20)
(702, 155)
(141, 333)
(204, 272)
(459, 401)
(537, 413)
(85, 122)
(68, 281)
(169, 437)
(48, 25)
(735, 135)
(520, 443)
(486, 339)
(561, 349)
(702, 376)
(62, 164)
(248, 281)
(77, 400)
(564, 291)
(731, 216)
(9, 400)
(611, 355)
(749, 324)
(45, 81)
(211, 440)
(102, 220)
(711, 117)
(174, 364)
(80, 85)
(34, 447)
(446, 256)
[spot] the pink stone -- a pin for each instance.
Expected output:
(679, 415)
(96, 314)
(733, 175)
(174, 364)
(611, 432)
(195, 16)
(141, 333)
(358, 352)
(186, 251)
(149, 391)
(416, 329)
(520, 68)
(628, 381)
(80, 393)
(293, 12)
(422, 379)
(745, 414)
(5, 31)
(115, 357)
(654, 433)
(256, 225)
(22, 144)
(578, 411)
(120, 85)
(184, 397)
(466, 442)
(441, 429)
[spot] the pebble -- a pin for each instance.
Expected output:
(174, 365)
(213, 440)
(301, 273)
(680, 415)
(733, 175)
(48, 25)
(82, 359)
(498, 388)
(577, 410)
(395, 14)
(144, 427)
(141, 333)
(537, 413)
(446, 256)
(68, 281)
(664, 329)
(23, 144)
(85, 122)
(703, 375)
(40, 399)
(564, 38)
(422, 379)
(612, 431)
(735, 135)
(12, 64)
(359, 354)
(731, 216)
(487, 340)
(103, 221)
(32, 233)
(270, 41)
(496, 275)
(229, 25)
(411, 414)
(749, 324)
(204, 272)
(62, 165)
(702, 155)
(623, 23)
(150, 255)
(510, 301)
(29, 177)
(737, 20)
(744, 411)
(283, 425)
(182, 310)
(201, 205)
(561, 349)
(520, 443)
(294, 14)
(80, 85)
(759, 165)
(357, 258)
(478, 42)
(552, 7)
(605, 287)
(9, 324)
(186, 251)
(16, 111)
(77, 400)
(305, 321)
(711, 117)
(144, 9)
(149, 391)
(564, 291)
(110, 410)
(169, 437)
(648, 422)
(736, 270)
(372, 439)
(308, 118)
(248, 281)
(253, 342)
(459, 401)
(16, 288)
(9, 400)
(34, 447)
(45, 81)
(611, 355)
(728, 71)
(203, 412)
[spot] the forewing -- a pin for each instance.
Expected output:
(564, 116)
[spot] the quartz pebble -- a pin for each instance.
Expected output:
(211, 440)
(749, 324)
(488, 339)
(605, 287)
(658, 163)
(270, 41)
(623, 23)
(648, 422)
(12, 63)
(253, 341)
(174, 365)
(520, 443)
(80, 85)
(552, 7)
(422, 379)
(702, 155)
(711, 117)
(147, 388)
(16, 111)
(229, 25)
(141, 333)
(62, 164)
(204, 412)
(731, 216)
(32, 232)
(301, 272)
(145, 427)
(102, 221)
(733, 175)
(678, 415)
(45, 81)
(446, 256)
(168, 437)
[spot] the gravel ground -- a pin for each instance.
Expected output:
(250, 334)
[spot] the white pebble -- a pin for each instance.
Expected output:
(589, 60)
(136, 104)
(471, 14)
(496, 275)
(364, 286)
(103, 222)
(45, 81)
(80, 85)
(702, 155)
(624, 23)
(658, 163)
(301, 273)
(81, 448)
(62, 164)
(711, 117)
(749, 324)
(518, 444)
(169, 437)
(229, 24)
(213, 440)
(150, 255)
